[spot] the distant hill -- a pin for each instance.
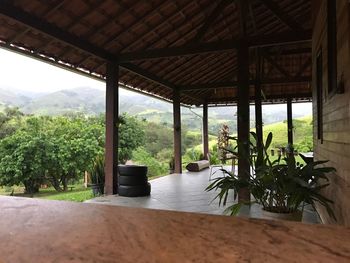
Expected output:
(91, 101)
(11, 98)
(84, 99)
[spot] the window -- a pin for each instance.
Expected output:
(319, 94)
(332, 45)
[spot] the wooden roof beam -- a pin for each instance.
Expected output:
(227, 84)
(155, 79)
(277, 66)
(48, 12)
(219, 46)
(290, 80)
(280, 97)
(210, 19)
(230, 84)
(147, 75)
(283, 16)
(51, 30)
(243, 14)
(294, 51)
(278, 39)
(186, 50)
(307, 63)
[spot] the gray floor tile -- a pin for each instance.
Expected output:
(186, 192)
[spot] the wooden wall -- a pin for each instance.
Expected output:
(336, 109)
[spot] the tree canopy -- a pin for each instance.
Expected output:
(57, 150)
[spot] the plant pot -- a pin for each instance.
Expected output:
(293, 216)
(97, 189)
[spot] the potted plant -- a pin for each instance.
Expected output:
(281, 187)
(97, 176)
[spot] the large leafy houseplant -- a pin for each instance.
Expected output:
(279, 186)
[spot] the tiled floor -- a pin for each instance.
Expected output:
(186, 192)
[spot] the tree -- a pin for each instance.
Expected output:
(155, 168)
(50, 149)
(23, 158)
(131, 136)
(59, 149)
(74, 145)
(9, 121)
(157, 138)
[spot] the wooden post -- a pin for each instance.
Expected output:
(177, 131)
(111, 151)
(290, 121)
(243, 118)
(205, 131)
(258, 106)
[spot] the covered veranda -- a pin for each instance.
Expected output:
(200, 53)
(194, 53)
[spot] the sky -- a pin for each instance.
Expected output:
(28, 74)
(24, 73)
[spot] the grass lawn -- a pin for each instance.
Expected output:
(78, 194)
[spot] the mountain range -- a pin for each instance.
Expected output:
(92, 102)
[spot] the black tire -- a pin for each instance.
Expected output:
(132, 170)
(134, 191)
(132, 180)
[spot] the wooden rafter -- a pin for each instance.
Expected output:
(53, 31)
(230, 84)
(279, 39)
(147, 75)
(307, 95)
(243, 14)
(46, 14)
(108, 42)
(192, 49)
(294, 51)
(162, 36)
(178, 51)
(277, 66)
(282, 15)
(109, 19)
(75, 21)
(143, 73)
(306, 64)
(252, 17)
(210, 19)
(128, 29)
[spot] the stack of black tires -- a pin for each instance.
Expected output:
(133, 181)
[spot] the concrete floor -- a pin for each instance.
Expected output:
(186, 192)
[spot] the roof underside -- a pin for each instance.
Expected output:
(165, 45)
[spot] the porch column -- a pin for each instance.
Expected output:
(177, 131)
(205, 131)
(111, 148)
(258, 106)
(243, 117)
(290, 121)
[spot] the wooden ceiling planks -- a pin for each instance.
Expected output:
(167, 45)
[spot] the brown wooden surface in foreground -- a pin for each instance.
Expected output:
(53, 231)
